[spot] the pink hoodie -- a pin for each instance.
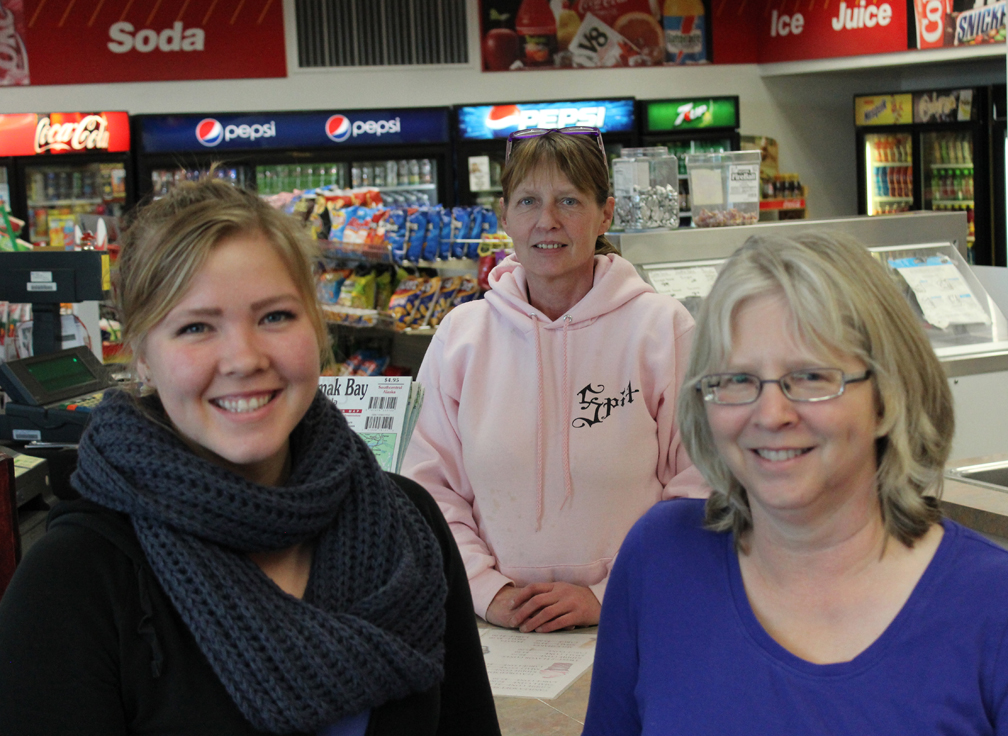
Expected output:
(543, 442)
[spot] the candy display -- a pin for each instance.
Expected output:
(648, 207)
(724, 218)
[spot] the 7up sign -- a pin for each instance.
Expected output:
(666, 116)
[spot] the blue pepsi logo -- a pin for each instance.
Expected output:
(338, 128)
(209, 132)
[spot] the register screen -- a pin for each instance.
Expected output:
(61, 373)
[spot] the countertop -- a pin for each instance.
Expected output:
(982, 509)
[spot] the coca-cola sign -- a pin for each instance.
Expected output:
(13, 56)
(63, 133)
(87, 134)
(98, 41)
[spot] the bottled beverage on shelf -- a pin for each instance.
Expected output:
(392, 174)
(426, 171)
(379, 174)
(355, 175)
(367, 175)
(403, 177)
(967, 151)
(414, 172)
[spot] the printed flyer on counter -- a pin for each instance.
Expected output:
(535, 665)
(383, 410)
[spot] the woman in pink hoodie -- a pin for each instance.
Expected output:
(548, 423)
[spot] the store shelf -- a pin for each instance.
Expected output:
(66, 202)
(491, 189)
(951, 166)
(951, 202)
(875, 61)
(882, 164)
(403, 187)
(782, 204)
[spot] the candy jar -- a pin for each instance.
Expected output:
(646, 188)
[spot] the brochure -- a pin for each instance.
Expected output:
(382, 409)
(535, 665)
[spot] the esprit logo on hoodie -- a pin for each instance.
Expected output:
(598, 409)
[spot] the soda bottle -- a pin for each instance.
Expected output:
(367, 175)
(426, 171)
(355, 175)
(958, 184)
(334, 176)
(892, 184)
(379, 174)
(945, 151)
(392, 174)
(414, 172)
(685, 37)
(536, 25)
(936, 151)
(967, 151)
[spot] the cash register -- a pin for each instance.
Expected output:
(51, 396)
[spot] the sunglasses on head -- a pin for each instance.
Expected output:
(520, 135)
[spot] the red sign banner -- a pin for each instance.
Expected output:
(798, 31)
(95, 41)
(31, 134)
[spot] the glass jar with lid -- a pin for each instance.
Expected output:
(646, 188)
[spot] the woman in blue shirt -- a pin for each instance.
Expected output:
(818, 590)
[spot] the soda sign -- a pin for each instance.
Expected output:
(30, 134)
(796, 32)
(498, 121)
(89, 133)
(13, 57)
(129, 41)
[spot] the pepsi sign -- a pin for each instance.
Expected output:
(483, 122)
(178, 133)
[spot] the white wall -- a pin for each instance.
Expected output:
(811, 116)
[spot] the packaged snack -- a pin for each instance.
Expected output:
(330, 283)
(358, 290)
(475, 225)
(425, 304)
(467, 291)
(383, 289)
(416, 232)
(444, 248)
(444, 301)
(432, 238)
(484, 267)
(403, 302)
(459, 229)
(397, 247)
(489, 221)
(319, 220)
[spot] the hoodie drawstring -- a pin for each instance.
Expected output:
(540, 430)
(568, 481)
(540, 421)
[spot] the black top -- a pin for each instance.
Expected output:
(90, 644)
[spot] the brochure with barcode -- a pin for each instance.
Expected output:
(382, 409)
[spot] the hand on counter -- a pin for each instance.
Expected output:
(544, 607)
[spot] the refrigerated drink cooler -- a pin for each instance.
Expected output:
(403, 153)
(929, 150)
(482, 132)
(973, 347)
(58, 166)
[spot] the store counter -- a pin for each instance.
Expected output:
(978, 506)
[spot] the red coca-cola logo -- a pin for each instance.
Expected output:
(88, 133)
(13, 56)
(931, 21)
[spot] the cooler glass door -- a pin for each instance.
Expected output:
(164, 179)
(947, 158)
(286, 177)
(889, 172)
(407, 182)
(58, 192)
(6, 176)
(483, 176)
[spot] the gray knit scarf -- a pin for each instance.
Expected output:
(370, 627)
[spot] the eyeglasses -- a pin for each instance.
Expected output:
(521, 135)
(807, 384)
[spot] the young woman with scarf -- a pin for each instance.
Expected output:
(238, 562)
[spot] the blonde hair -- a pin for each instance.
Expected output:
(577, 157)
(168, 241)
(842, 301)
